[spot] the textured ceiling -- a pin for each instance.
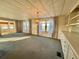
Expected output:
(29, 8)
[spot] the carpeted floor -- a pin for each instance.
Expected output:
(32, 48)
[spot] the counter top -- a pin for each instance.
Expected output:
(73, 39)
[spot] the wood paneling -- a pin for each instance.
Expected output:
(19, 25)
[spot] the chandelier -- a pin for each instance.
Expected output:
(37, 19)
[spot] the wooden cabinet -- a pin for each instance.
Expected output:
(73, 20)
(74, 17)
(66, 47)
(71, 54)
(74, 56)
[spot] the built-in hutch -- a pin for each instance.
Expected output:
(73, 19)
(70, 37)
(70, 44)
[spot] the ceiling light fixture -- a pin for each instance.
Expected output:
(37, 19)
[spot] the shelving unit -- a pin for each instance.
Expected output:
(69, 43)
(73, 18)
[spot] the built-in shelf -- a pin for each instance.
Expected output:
(75, 17)
(67, 25)
(74, 24)
(73, 20)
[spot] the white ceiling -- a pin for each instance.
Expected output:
(29, 8)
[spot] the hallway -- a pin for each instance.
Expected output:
(32, 48)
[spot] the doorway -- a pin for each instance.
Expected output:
(46, 28)
(43, 27)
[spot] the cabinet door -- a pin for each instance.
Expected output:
(60, 35)
(71, 54)
(74, 56)
(65, 45)
(65, 50)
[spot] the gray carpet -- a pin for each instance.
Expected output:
(32, 48)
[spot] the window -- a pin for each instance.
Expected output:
(26, 26)
(42, 26)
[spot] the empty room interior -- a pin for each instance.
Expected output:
(39, 29)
